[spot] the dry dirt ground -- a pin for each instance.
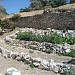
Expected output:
(25, 14)
(6, 63)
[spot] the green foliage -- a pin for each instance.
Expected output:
(7, 24)
(68, 72)
(37, 4)
(26, 62)
(2, 9)
(25, 10)
(31, 51)
(32, 65)
(71, 54)
(48, 51)
(52, 3)
(2, 24)
(65, 30)
(53, 38)
(15, 16)
(10, 24)
(59, 2)
(72, 1)
(25, 36)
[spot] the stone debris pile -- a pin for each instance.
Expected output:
(37, 62)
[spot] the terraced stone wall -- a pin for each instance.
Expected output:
(55, 20)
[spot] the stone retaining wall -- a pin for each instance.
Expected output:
(60, 20)
(42, 46)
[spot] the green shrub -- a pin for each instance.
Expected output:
(31, 51)
(15, 17)
(53, 38)
(9, 24)
(68, 72)
(2, 24)
(32, 65)
(25, 36)
(25, 10)
(26, 62)
(65, 30)
(71, 54)
(71, 40)
(48, 51)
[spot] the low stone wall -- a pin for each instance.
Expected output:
(37, 62)
(60, 20)
(42, 46)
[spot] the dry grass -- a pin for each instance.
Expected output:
(25, 14)
(67, 7)
(2, 15)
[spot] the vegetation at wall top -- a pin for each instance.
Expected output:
(68, 72)
(53, 38)
(71, 54)
(7, 24)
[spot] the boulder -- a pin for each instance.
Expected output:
(13, 71)
(45, 64)
(53, 66)
(37, 60)
(8, 39)
(36, 64)
(67, 50)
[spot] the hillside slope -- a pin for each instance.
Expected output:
(33, 13)
(68, 6)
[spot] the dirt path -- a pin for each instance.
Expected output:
(25, 69)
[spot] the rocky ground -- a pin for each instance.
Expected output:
(6, 63)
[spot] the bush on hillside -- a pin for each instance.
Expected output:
(2, 24)
(15, 17)
(7, 24)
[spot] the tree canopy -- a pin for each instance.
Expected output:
(72, 1)
(38, 4)
(25, 9)
(2, 9)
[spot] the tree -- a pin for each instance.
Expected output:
(37, 4)
(25, 9)
(52, 3)
(2, 10)
(72, 1)
(44, 2)
(60, 2)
